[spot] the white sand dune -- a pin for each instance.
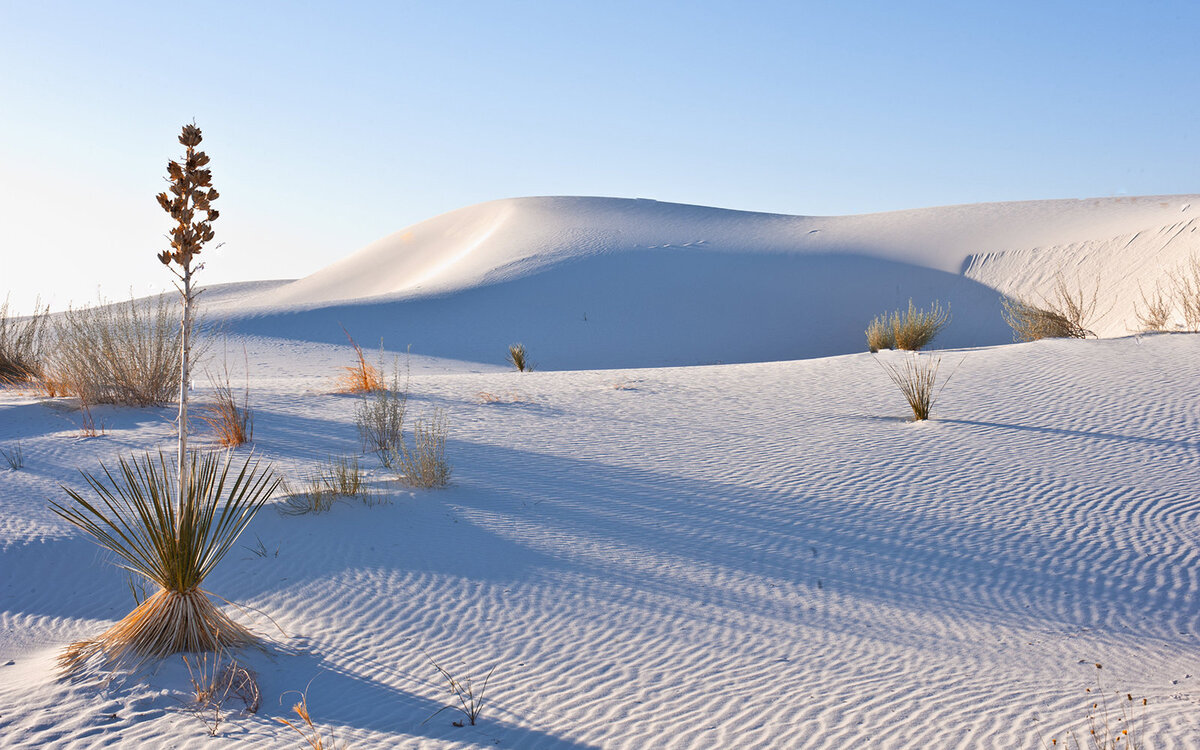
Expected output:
(599, 282)
(760, 555)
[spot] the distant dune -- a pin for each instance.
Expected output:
(608, 282)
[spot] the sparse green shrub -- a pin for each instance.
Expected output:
(339, 477)
(917, 380)
(125, 353)
(21, 345)
(912, 329)
(518, 357)
(379, 416)
(424, 465)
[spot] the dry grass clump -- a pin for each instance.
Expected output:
(21, 345)
(126, 353)
(1185, 283)
(1157, 311)
(1113, 722)
(363, 377)
(518, 357)
(379, 416)
(917, 380)
(911, 329)
(1065, 314)
(173, 546)
(233, 422)
(469, 695)
(340, 477)
(216, 679)
(425, 464)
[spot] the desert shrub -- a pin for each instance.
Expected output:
(172, 545)
(1185, 283)
(21, 345)
(910, 329)
(879, 333)
(424, 465)
(917, 381)
(233, 422)
(1157, 309)
(125, 353)
(379, 417)
(362, 377)
(518, 357)
(215, 679)
(1064, 314)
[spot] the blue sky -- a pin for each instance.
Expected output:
(333, 124)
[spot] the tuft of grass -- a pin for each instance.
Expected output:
(175, 547)
(215, 679)
(126, 353)
(363, 377)
(1157, 310)
(917, 380)
(1114, 722)
(518, 357)
(87, 424)
(15, 458)
(425, 464)
(379, 416)
(21, 345)
(1185, 283)
(468, 695)
(340, 477)
(910, 329)
(1067, 313)
(232, 422)
(313, 737)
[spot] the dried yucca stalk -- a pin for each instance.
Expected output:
(174, 547)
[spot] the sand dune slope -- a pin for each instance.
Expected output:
(602, 282)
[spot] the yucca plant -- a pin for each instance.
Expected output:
(518, 357)
(173, 546)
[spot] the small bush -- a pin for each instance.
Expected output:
(879, 334)
(379, 416)
(912, 329)
(362, 377)
(125, 353)
(1157, 310)
(215, 679)
(1185, 282)
(518, 357)
(315, 496)
(1066, 314)
(917, 380)
(232, 422)
(425, 464)
(21, 345)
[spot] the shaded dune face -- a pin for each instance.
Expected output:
(605, 282)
